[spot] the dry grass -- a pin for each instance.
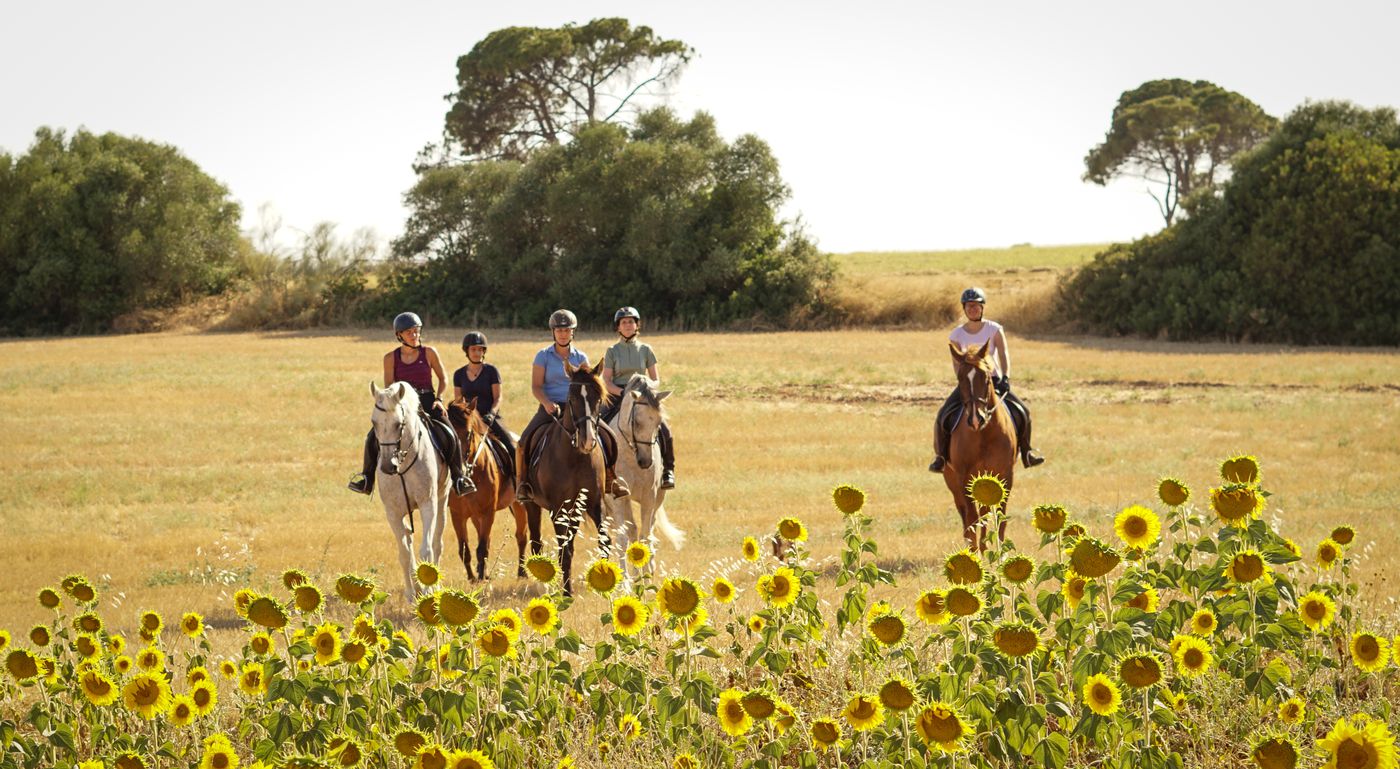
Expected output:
(175, 467)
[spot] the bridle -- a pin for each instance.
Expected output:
(630, 435)
(977, 410)
(579, 421)
(399, 451)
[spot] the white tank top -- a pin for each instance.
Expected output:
(961, 337)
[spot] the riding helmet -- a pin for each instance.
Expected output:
(405, 321)
(473, 339)
(626, 312)
(974, 294)
(563, 319)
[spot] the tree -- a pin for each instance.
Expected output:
(522, 88)
(1178, 134)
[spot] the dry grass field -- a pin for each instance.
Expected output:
(173, 468)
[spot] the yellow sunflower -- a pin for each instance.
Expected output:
(897, 695)
(987, 490)
(409, 741)
(1343, 535)
(147, 695)
(1016, 639)
(1242, 468)
(50, 599)
(1140, 670)
(1049, 519)
(963, 568)
(542, 569)
(1101, 695)
(825, 732)
(602, 576)
(353, 589)
(932, 607)
(510, 620)
(128, 759)
(629, 615)
(848, 499)
(757, 624)
(1275, 752)
(943, 728)
(182, 712)
(242, 598)
(733, 719)
(1247, 566)
(98, 688)
(780, 588)
(205, 697)
(1018, 569)
(88, 622)
(1236, 503)
(887, 628)
(722, 590)
(792, 530)
(1144, 601)
(750, 548)
(759, 703)
(683, 761)
(326, 642)
(1073, 589)
(262, 644)
(1292, 710)
(1203, 622)
(252, 680)
(307, 598)
(1192, 655)
(630, 727)
(1328, 553)
(1369, 651)
(473, 759)
(962, 602)
(191, 624)
(218, 754)
(1316, 610)
(343, 750)
(1359, 742)
(638, 555)
(1092, 558)
(150, 659)
(1137, 527)
(496, 641)
(267, 612)
(695, 621)
(39, 635)
(1173, 492)
(454, 607)
(427, 573)
(86, 646)
(864, 712)
(678, 596)
(355, 652)
(427, 609)
(541, 615)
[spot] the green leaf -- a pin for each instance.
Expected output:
(1051, 752)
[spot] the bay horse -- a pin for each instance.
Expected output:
(494, 491)
(637, 422)
(410, 476)
(567, 469)
(982, 441)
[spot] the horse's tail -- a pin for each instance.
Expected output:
(668, 531)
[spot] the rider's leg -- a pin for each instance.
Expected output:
(1029, 456)
(668, 457)
(522, 485)
(364, 481)
(616, 486)
(462, 482)
(502, 436)
(940, 433)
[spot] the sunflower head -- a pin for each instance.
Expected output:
(22, 664)
(897, 695)
(942, 727)
(1092, 558)
(1173, 492)
(1017, 569)
(722, 590)
(792, 530)
(267, 612)
(962, 602)
(1101, 695)
(757, 623)
(759, 703)
(1203, 622)
(886, 627)
(750, 549)
(629, 615)
(963, 568)
(1144, 601)
(987, 490)
(1236, 503)
(427, 573)
(427, 610)
(1073, 588)
(343, 750)
(1343, 535)
(1140, 670)
(408, 742)
(147, 695)
(1016, 639)
(307, 597)
(1247, 566)
(1369, 651)
(354, 589)
(848, 499)
(1049, 519)
(826, 732)
(678, 596)
(1241, 468)
(192, 624)
(1328, 553)
(1276, 751)
(129, 759)
(541, 615)
(932, 607)
(864, 712)
(150, 658)
(1292, 710)
(542, 569)
(602, 576)
(780, 588)
(733, 718)
(1137, 526)
(495, 641)
(252, 679)
(454, 608)
(326, 642)
(1192, 655)
(1359, 742)
(242, 598)
(638, 554)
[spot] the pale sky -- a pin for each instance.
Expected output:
(899, 126)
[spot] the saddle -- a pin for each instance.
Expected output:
(533, 449)
(442, 436)
(1018, 417)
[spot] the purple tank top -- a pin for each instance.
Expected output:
(418, 374)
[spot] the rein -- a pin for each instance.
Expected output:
(399, 454)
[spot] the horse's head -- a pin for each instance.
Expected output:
(463, 415)
(586, 398)
(979, 397)
(394, 408)
(639, 419)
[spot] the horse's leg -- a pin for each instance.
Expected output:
(619, 516)
(565, 532)
(457, 507)
(404, 539)
(518, 510)
(484, 520)
(532, 515)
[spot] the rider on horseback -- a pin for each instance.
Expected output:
(549, 383)
(973, 334)
(480, 380)
(622, 360)
(415, 363)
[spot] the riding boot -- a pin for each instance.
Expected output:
(668, 457)
(940, 433)
(523, 492)
(363, 482)
(462, 483)
(615, 485)
(1029, 456)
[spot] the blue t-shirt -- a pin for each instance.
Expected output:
(556, 381)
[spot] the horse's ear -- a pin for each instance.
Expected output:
(569, 369)
(373, 391)
(661, 396)
(982, 353)
(471, 404)
(958, 356)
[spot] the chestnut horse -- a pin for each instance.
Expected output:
(566, 469)
(983, 441)
(493, 491)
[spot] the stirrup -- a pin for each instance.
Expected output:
(359, 483)
(463, 486)
(1031, 458)
(936, 466)
(668, 479)
(523, 492)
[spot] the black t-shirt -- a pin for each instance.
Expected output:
(479, 388)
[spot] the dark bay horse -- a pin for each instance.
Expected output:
(567, 470)
(982, 441)
(494, 491)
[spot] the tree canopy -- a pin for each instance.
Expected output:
(98, 225)
(1176, 133)
(522, 88)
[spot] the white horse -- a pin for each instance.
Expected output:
(637, 422)
(410, 476)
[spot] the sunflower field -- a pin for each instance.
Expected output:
(1192, 634)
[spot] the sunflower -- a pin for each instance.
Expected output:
(785, 718)
(343, 750)
(408, 742)
(962, 602)
(1203, 622)
(353, 589)
(1343, 535)
(759, 703)
(204, 696)
(87, 622)
(242, 598)
(897, 695)
(1049, 519)
(252, 680)
(268, 613)
(39, 635)
(122, 664)
(542, 569)
(792, 530)
(750, 548)
(1369, 651)
(1292, 710)
(1016, 639)
(86, 646)
(146, 694)
(629, 615)
(1101, 695)
(1073, 589)
(848, 499)
(510, 620)
(932, 607)
(1236, 503)
(1275, 752)
(1144, 601)
(1092, 558)
(1316, 610)
(1074, 530)
(150, 659)
(365, 629)
(1177, 700)
(602, 576)
(496, 641)
(427, 609)
(1192, 655)
(1359, 742)
(1140, 670)
(261, 644)
(722, 590)
(442, 661)
(469, 759)
(864, 712)
(151, 621)
(192, 624)
(825, 732)
(1328, 552)
(218, 754)
(1247, 566)
(638, 554)
(308, 598)
(1293, 548)
(695, 621)
(228, 670)
(780, 588)
(427, 573)
(987, 490)
(887, 628)
(355, 652)
(326, 642)
(1242, 468)
(1173, 492)
(963, 568)
(683, 761)
(733, 719)
(630, 727)
(50, 599)
(1017, 569)
(1137, 527)
(48, 669)
(943, 728)
(128, 759)
(757, 624)
(98, 688)
(679, 596)
(541, 615)
(454, 608)
(182, 712)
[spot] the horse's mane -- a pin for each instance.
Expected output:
(585, 376)
(641, 384)
(463, 417)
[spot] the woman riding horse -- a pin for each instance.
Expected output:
(622, 360)
(415, 363)
(549, 383)
(480, 380)
(971, 335)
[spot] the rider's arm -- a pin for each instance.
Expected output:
(389, 368)
(651, 372)
(537, 388)
(608, 381)
(1003, 355)
(496, 396)
(437, 369)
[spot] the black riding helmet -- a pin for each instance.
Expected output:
(974, 294)
(473, 339)
(626, 312)
(405, 321)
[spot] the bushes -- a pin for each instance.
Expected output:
(1302, 245)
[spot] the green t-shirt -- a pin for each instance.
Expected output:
(627, 358)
